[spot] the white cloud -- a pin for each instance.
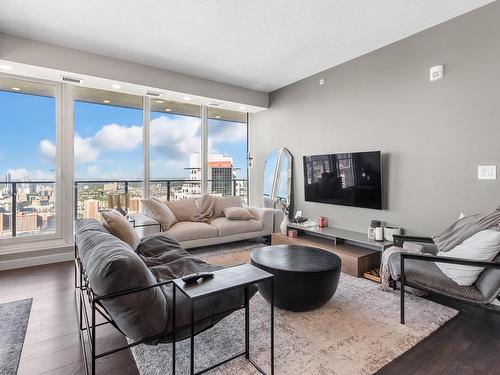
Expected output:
(23, 173)
(227, 132)
(85, 151)
(118, 137)
(175, 139)
(48, 150)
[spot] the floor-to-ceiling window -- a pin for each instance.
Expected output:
(175, 150)
(108, 151)
(227, 153)
(68, 151)
(28, 129)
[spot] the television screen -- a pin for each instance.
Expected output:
(351, 179)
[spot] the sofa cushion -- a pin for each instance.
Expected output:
(112, 266)
(183, 209)
(224, 202)
(159, 211)
(227, 227)
(237, 213)
(427, 276)
(119, 226)
(482, 246)
(188, 230)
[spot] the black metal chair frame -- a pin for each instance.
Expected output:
(398, 241)
(88, 325)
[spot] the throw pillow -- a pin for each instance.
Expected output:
(482, 246)
(224, 202)
(120, 227)
(183, 209)
(160, 212)
(237, 213)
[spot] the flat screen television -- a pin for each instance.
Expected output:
(350, 179)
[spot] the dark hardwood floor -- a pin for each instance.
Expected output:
(468, 344)
(52, 344)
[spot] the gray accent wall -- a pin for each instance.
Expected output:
(433, 135)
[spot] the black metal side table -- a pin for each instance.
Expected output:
(241, 276)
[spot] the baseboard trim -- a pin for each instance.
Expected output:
(35, 260)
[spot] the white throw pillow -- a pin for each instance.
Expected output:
(159, 211)
(482, 246)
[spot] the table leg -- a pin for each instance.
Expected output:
(192, 337)
(272, 325)
(247, 325)
(173, 327)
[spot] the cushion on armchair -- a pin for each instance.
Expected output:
(112, 266)
(482, 246)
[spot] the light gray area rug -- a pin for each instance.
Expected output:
(14, 318)
(357, 332)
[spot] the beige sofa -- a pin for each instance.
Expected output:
(220, 230)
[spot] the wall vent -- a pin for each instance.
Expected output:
(153, 94)
(71, 79)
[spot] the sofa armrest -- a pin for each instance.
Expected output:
(144, 224)
(265, 216)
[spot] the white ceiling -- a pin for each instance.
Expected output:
(257, 44)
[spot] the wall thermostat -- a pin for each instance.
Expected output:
(436, 73)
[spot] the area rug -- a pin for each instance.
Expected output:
(356, 332)
(14, 318)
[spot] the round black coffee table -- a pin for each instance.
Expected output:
(305, 278)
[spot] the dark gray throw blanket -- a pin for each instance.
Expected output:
(465, 228)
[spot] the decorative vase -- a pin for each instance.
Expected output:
(284, 225)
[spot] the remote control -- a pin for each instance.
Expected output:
(191, 278)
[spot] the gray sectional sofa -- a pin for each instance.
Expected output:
(111, 266)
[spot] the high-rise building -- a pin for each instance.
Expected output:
(91, 209)
(220, 174)
(28, 222)
(8, 177)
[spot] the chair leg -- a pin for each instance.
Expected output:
(402, 280)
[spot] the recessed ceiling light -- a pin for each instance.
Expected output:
(168, 110)
(6, 67)
(105, 101)
(187, 98)
(159, 101)
(116, 86)
(242, 107)
(217, 116)
(16, 88)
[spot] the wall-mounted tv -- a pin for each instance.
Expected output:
(350, 179)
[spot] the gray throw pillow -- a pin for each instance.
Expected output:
(465, 228)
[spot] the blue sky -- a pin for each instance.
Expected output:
(108, 140)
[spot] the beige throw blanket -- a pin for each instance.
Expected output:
(385, 273)
(206, 210)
